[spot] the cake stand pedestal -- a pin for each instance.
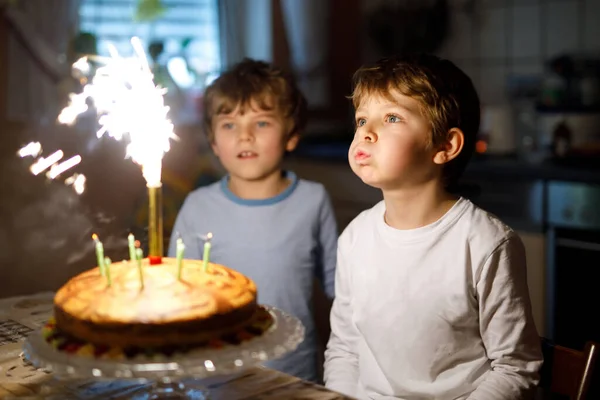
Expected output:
(168, 375)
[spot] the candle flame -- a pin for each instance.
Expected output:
(94, 237)
(209, 236)
(128, 105)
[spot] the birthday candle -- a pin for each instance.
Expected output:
(139, 255)
(180, 251)
(131, 242)
(206, 256)
(107, 270)
(99, 253)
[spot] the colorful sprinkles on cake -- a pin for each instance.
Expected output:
(64, 343)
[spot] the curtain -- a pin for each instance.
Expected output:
(306, 28)
(39, 39)
(245, 30)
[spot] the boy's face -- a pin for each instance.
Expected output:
(251, 144)
(391, 147)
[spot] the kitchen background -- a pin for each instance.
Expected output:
(535, 64)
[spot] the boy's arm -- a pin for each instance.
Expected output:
(341, 360)
(328, 237)
(506, 324)
(182, 229)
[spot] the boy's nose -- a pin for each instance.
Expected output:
(246, 135)
(369, 135)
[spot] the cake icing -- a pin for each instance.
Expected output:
(164, 311)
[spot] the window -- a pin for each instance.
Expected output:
(188, 33)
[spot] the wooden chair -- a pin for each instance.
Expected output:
(568, 372)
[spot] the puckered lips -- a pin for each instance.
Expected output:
(361, 156)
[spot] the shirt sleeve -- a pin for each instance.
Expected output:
(506, 323)
(341, 359)
(328, 236)
(182, 229)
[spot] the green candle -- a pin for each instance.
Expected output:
(180, 251)
(131, 243)
(99, 253)
(139, 255)
(206, 256)
(107, 270)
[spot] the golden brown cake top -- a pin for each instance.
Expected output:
(163, 299)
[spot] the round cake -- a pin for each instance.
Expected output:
(164, 311)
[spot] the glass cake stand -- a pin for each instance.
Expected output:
(168, 374)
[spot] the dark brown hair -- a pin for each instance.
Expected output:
(447, 96)
(270, 87)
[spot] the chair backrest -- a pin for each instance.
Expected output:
(568, 372)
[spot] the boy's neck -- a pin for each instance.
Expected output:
(264, 188)
(416, 207)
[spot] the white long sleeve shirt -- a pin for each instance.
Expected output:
(439, 312)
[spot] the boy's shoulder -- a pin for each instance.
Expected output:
(474, 224)
(485, 226)
(311, 189)
(306, 192)
(361, 224)
(203, 194)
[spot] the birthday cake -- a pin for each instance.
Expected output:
(158, 310)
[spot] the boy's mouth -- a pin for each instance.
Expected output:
(247, 154)
(361, 155)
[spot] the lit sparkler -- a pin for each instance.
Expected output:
(129, 105)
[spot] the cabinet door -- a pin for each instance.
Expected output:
(536, 262)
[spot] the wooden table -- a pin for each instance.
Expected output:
(19, 380)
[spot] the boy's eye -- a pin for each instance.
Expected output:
(262, 124)
(393, 119)
(361, 121)
(227, 125)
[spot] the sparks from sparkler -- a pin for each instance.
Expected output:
(77, 181)
(129, 105)
(43, 163)
(58, 169)
(34, 149)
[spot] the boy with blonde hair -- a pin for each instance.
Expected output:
(431, 291)
(266, 223)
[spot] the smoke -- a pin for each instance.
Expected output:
(57, 223)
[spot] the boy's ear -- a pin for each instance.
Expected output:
(292, 142)
(451, 148)
(214, 148)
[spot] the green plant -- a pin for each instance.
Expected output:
(147, 10)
